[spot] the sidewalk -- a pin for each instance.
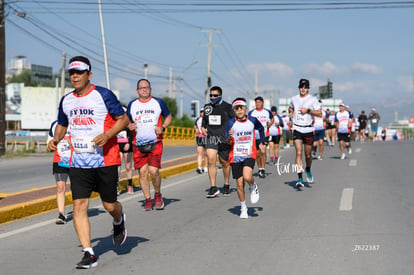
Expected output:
(23, 204)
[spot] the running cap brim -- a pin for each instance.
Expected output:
(239, 103)
(78, 66)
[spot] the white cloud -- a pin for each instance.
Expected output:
(121, 84)
(366, 68)
(275, 69)
(326, 69)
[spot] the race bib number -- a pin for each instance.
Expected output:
(83, 145)
(214, 120)
(63, 148)
(147, 120)
(374, 120)
(242, 149)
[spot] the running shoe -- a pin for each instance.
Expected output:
(313, 154)
(299, 183)
(309, 176)
(120, 232)
(349, 150)
(254, 193)
(159, 201)
(61, 219)
(262, 173)
(243, 213)
(130, 189)
(343, 156)
(199, 171)
(148, 205)
(320, 158)
(87, 261)
(226, 190)
(213, 192)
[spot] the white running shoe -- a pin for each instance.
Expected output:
(254, 193)
(349, 150)
(243, 213)
(343, 156)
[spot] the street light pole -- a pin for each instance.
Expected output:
(108, 85)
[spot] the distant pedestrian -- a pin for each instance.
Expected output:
(93, 116)
(287, 129)
(343, 121)
(265, 117)
(216, 114)
(274, 136)
(362, 119)
(125, 139)
(201, 144)
(319, 123)
(240, 134)
(147, 112)
(302, 108)
(61, 159)
(374, 119)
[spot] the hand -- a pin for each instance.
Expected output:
(262, 148)
(101, 140)
(231, 133)
(303, 110)
(52, 145)
(159, 130)
(132, 126)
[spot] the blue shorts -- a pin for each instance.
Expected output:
(319, 134)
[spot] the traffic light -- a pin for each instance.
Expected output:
(193, 109)
(330, 93)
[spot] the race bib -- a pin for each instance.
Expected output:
(214, 120)
(83, 145)
(374, 120)
(63, 148)
(147, 120)
(242, 149)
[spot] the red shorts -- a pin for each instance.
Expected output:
(152, 158)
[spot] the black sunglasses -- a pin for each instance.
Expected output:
(214, 95)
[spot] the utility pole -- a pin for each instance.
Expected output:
(2, 82)
(62, 77)
(210, 45)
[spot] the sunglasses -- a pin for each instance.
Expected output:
(214, 95)
(240, 107)
(72, 72)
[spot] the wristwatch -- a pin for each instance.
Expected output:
(163, 128)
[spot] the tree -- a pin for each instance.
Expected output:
(24, 77)
(171, 104)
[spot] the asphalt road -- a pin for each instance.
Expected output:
(357, 218)
(35, 171)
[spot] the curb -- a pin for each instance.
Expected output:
(37, 206)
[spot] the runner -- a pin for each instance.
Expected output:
(147, 112)
(302, 108)
(240, 132)
(319, 136)
(287, 129)
(343, 121)
(265, 117)
(274, 138)
(374, 118)
(216, 115)
(93, 116)
(330, 128)
(201, 147)
(362, 119)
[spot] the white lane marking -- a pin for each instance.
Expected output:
(127, 198)
(358, 150)
(346, 199)
(353, 162)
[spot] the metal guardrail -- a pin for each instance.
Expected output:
(38, 143)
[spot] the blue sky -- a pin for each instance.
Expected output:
(366, 53)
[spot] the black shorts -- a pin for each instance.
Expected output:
(307, 138)
(59, 169)
(201, 141)
(103, 180)
(217, 143)
(237, 167)
(121, 148)
(344, 137)
(274, 139)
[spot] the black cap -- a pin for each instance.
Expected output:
(273, 109)
(304, 83)
(259, 98)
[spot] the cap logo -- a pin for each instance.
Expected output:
(78, 66)
(239, 103)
